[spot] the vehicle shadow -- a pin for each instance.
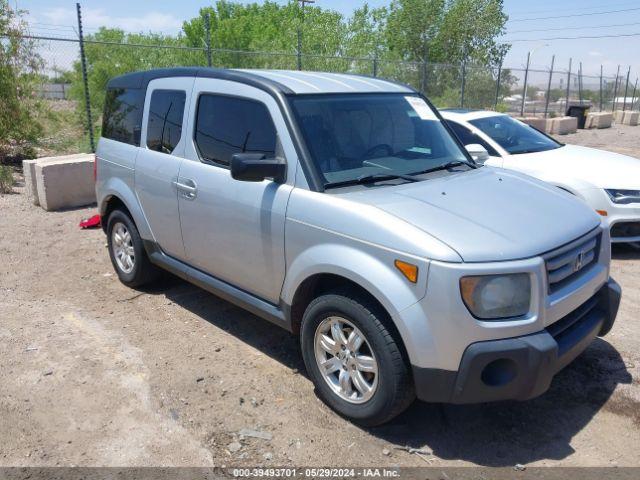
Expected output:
(508, 433)
(492, 434)
(270, 339)
(624, 251)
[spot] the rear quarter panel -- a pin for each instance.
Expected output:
(116, 177)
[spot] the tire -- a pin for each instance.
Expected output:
(139, 271)
(391, 388)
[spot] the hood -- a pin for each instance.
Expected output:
(487, 214)
(598, 168)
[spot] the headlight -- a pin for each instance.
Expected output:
(492, 297)
(623, 196)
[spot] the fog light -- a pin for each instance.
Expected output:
(499, 372)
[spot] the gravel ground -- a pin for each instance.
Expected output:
(95, 374)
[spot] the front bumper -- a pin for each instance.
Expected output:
(522, 367)
(622, 219)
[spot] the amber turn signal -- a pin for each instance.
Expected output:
(602, 212)
(408, 270)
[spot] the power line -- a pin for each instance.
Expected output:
(575, 28)
(573, 38)
(52, 25)
(548, 10)
(574, 15)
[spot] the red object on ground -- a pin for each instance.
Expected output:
(93, 222)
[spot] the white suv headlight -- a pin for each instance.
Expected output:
(491, 297)
(623, 196)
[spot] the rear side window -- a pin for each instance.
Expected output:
(229, 125)
(166, 112)
(122, 119)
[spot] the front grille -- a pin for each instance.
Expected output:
(567, 263)
(563, 329)
(625, 230)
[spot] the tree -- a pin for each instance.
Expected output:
(438, 31)
(19, 74)
(123, 53)
(265, 35)
(269, 30)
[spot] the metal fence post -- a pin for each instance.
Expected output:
(524, 89)
(633, 97)
(580, 83)
(299, 49)
(85, 80)
(626, 90)
(463, 86)
(375, 63)
(566, 105)
(548, 94)
(615, 90)
(601, 74)
(425, 60)
(207, 27)
(498, 81)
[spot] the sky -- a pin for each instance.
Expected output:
(534, 21)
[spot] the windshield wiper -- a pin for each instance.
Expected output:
(446, 166)
(371, 178)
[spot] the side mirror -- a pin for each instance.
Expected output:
(477, 152)
(255, 167)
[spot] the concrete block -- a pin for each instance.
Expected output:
(30, 186)
(631, 118)
(29, 172)
(539, 123)
(618, 117)
(599, 120)
(588, 123)
(65, 183)
(563, 125)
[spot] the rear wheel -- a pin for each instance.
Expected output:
(354, 360)
(127, 252)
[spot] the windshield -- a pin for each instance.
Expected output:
(513, 136)
(356, 135)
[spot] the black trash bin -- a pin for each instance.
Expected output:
(579, 112)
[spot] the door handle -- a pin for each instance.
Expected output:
(188, 188)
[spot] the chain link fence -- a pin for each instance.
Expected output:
(517, 91)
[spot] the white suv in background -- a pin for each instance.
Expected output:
(608, 182)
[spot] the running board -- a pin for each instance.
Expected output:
(228, 292)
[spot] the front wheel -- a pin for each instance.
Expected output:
(354, 360)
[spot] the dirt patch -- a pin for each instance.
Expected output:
(96, 374)
(621, 139)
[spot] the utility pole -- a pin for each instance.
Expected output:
(302, 3)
